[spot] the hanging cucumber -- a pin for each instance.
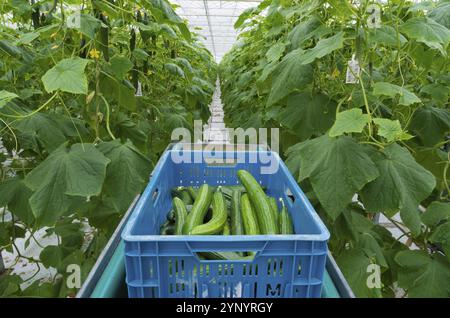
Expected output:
(236, 216)
(274, 208)
(248, 217)
(285, 221)
(180, 215)
(104, 37)
(134, 71)
(260, 203)
(199, 209)
(218, 220)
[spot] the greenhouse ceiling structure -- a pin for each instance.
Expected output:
(214, 21)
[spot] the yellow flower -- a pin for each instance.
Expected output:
(94, 54)
(53, 35)
(335, 73)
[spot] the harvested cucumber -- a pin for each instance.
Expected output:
(218, 220)
(286, 226)
(248, 217)
(260, 203)
(180, 215)
(226, 229)
(192, 192)
(237, 227)
(199, 209)
(274, 208)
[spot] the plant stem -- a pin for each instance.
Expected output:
(33, 112)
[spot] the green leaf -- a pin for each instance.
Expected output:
(128, 129)
(324, 47)
(67, 76)
(336, 167)
(120, 66)
(402, 185)
(165, 11)
(308, 114)
(123, 94)
(434, 160)
(166, 29)
(275, 52)
(43, 290)
(431, 124)
(85, 23)
(354, 264)
(435, 213)
(21, 7)
(441, 14)
(5, 97)
(151, 27)
(438, 92)
(423, 275)
(51, 256)
(391, 129)
(351, 223)
(289, 75)
(348, 121)
(185, 32)
(27, 38)
(244, 16)
(10, 285)
(371, 248)
(68, 172)
(126, 175)
(303, 31)
(185, 63)
(441, 236)
(140, 55)
(386, 35)
(106, 7)
(427, 31)
(387, 89)
(174, 69)
(15, 194)
(40, 130)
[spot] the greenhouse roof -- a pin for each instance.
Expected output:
(215, 20)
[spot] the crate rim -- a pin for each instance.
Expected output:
(324, 234)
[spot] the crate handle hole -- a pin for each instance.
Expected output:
(155, 194)
(289, 197)
(228, 256)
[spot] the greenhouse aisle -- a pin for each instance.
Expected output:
(215, 130)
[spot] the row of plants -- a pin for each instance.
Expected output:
(360, 92)
(90, 92)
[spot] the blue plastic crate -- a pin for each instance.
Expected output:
(169, 266)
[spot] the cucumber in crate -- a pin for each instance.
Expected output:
(224, 230)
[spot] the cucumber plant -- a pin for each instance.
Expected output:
(360, 92)
(89, 94)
